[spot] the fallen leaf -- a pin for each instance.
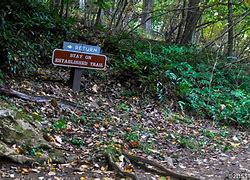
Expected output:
(58, 139)
(129, 169)
(96, 125)
(104, 168)
(234, 144)
(94, 88)
(83, 167)
(51, 173)
(128, 129)
(19, 150)
(54, 102)
(39, 154)
(134, 144)
(121, 158)
(49, 138)
(24, 170)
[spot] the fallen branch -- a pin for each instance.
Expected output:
(38, 99)
(118, 169)
(162, 170)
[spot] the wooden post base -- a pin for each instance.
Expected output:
(75, 78)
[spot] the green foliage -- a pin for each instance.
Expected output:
(30, 150)
(132, 136)
(209, 134)
(195, 79)
(83, 119)
(1, 77)
(59, 125)
(146, 147)
(28, 34)
(128, 93)
(188, 142)
(77, 141)
(123, 107)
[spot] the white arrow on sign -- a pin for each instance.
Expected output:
(81, 47)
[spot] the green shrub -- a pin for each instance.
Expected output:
(1, 77)
(28, 34)
(195, 79)
(59, 125)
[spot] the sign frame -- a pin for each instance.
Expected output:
(81, 47)
(80, 67)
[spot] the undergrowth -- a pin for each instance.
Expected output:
(197, 80)
(29, 32)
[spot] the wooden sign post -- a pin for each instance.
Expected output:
(76, 73)
(78, 60)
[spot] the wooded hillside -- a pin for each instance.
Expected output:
(171, 101)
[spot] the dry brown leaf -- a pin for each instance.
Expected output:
(49, 138)
(19, 150)
(129, 169)
(96, 125)
(54, 102)
(134, 144)
(24, 170)
(95, 88)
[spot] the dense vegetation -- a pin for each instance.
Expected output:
(197, 80)
(28, 33)
(200, 81)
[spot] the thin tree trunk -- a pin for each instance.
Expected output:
(146, 21)
(121, 13)
(230, 29)
(67, 9)
(61, 8)
(98, 17)
(81, 4)
(180, 29)
(243, 16)
(192, 19)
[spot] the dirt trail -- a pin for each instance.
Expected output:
(111, 114)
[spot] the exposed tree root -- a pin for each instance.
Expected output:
(39, 99)
(159, 169)
(118, 169)
(143, 162)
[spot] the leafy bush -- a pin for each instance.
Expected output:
(28, 33)
(195, 79)
(1, 77)
(59, 125)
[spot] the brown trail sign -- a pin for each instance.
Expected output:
(78, 59)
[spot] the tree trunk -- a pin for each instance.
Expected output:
(81, 4)
(230, 29)
(67, 9)
(54, 5)
(99, 17)
(61, 8)
(180, 28)
(146, 21)
(193, 16)
(119, 18)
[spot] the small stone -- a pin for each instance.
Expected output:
(169, 160)
(51, 173)
(235, 139)
(182, 166)
(245, 141)
(222, 159)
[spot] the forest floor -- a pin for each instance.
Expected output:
(112, 114)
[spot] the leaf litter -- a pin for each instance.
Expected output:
(107, 117)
